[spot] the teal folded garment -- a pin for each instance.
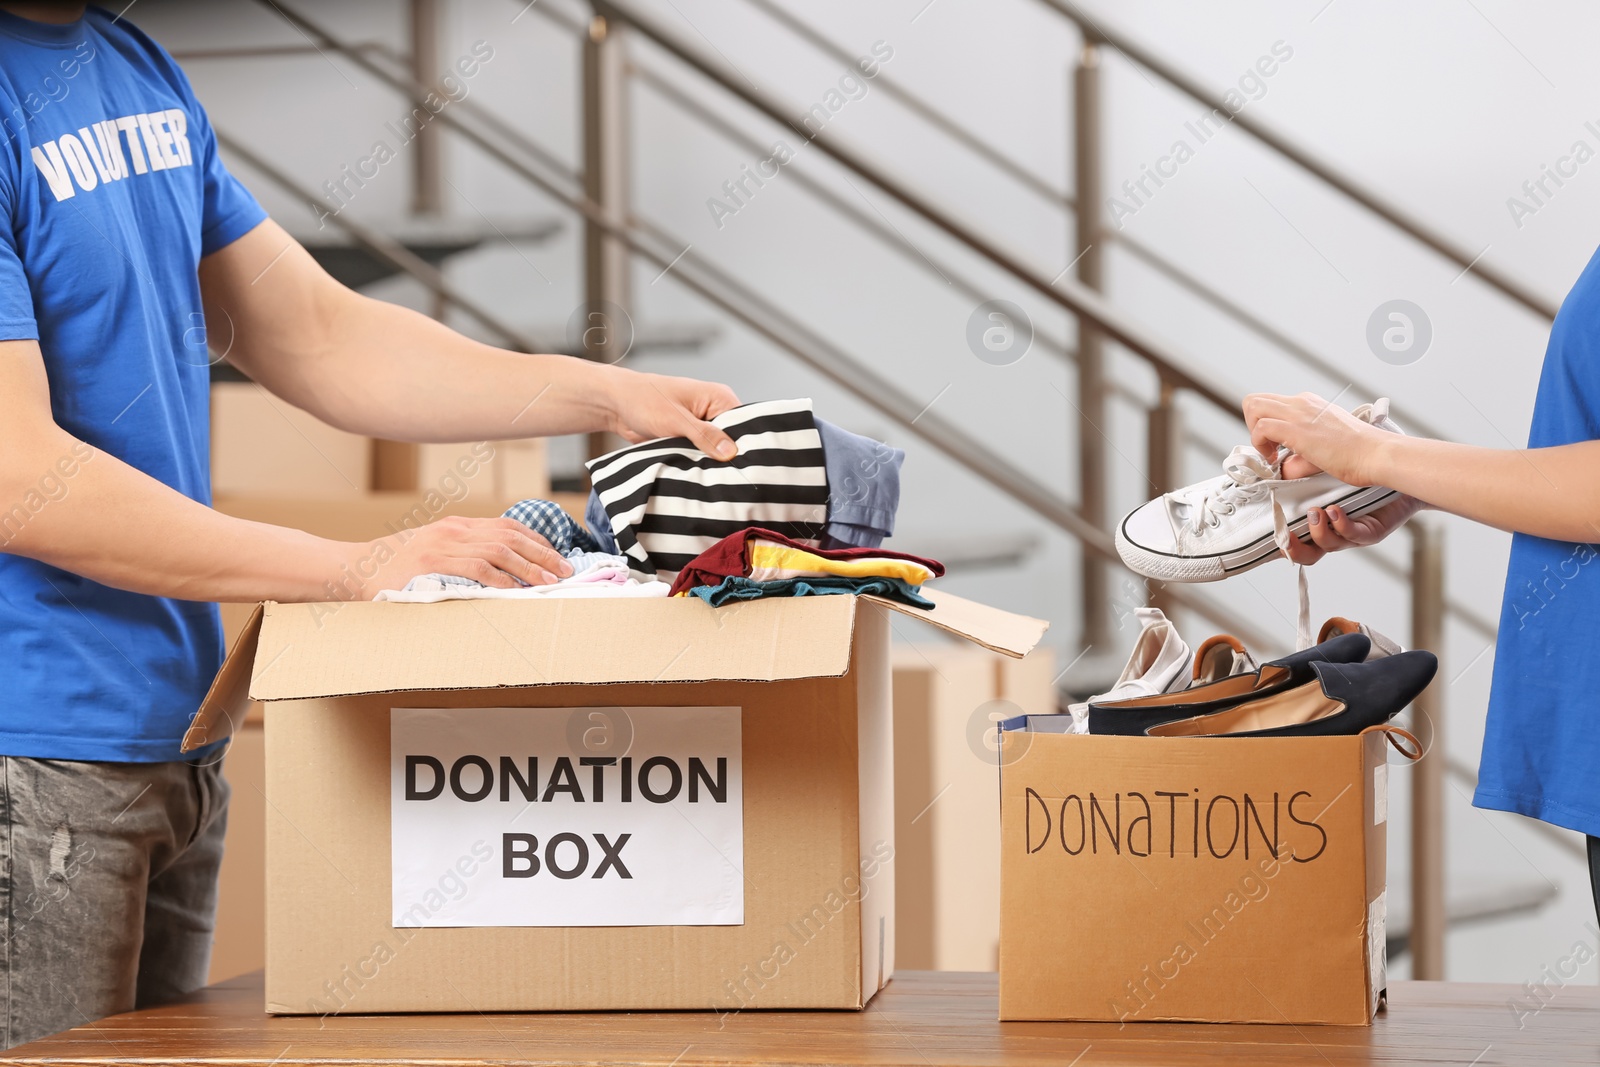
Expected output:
(739, 588)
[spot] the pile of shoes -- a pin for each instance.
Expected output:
(1351, 679)
(1346, 681)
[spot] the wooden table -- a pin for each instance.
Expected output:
(922, 1019)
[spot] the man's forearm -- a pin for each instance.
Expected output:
(1547, 492)
(386, 371)
(89, 513)
(392, 372)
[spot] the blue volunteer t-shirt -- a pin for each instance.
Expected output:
(112, 192)
(1541, 746)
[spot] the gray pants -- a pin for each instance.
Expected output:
(108, 885)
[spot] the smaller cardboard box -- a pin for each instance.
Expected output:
(588, 804)
(1200, 879)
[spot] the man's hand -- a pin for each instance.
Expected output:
(495, 552)
(647, 406)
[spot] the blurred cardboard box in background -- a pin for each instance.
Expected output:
(947, 701)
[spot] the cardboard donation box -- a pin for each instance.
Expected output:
(626, 804)
(1203, 879)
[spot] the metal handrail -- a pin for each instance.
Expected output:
(991, 154)
(1093, 31)
(1083, 302)
(1255, 324)
(1139, 249)
(384, 247)
(862, 220)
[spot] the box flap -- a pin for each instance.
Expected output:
(228, 698)
(998, 631)
(329, 650)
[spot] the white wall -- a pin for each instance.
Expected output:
(1444, 109)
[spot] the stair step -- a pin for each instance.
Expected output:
(433, 239)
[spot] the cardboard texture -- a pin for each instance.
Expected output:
(947, 837)
(1112, 911)
(998, 631)
(812, 677)
(238, 944)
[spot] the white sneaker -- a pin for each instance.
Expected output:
(1160, 663)
(1229, 524)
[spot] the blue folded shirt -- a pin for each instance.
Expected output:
(739, 588)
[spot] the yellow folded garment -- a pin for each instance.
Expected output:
(771, 562)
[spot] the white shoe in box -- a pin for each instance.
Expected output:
(1159, 663)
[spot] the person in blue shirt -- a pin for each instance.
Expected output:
(1541, 744)
(128, 254)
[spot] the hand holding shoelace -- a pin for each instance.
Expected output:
(1322, 436)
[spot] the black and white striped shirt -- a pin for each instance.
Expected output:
(669, 502)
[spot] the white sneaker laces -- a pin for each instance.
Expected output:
(1250, 477)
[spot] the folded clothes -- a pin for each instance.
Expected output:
(428, 589)
(543, 517)
(668, 501)
(586, 567)
(549, 521)
(863, 487)
(739, 588)
(764, 555)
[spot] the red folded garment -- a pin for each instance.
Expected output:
(728, 558)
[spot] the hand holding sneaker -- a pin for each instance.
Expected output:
(1250, 514)
(1333, 436)
(1321, 435)
(1332, 529)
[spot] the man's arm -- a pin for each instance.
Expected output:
(385, 371)
(68, 505)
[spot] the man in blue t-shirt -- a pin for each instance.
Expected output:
(126, 239)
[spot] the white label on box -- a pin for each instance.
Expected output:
(1378, 943)
(1380, 794)
(566, 816)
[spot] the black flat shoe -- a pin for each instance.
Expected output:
(1137, 715)
(1340, 698)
